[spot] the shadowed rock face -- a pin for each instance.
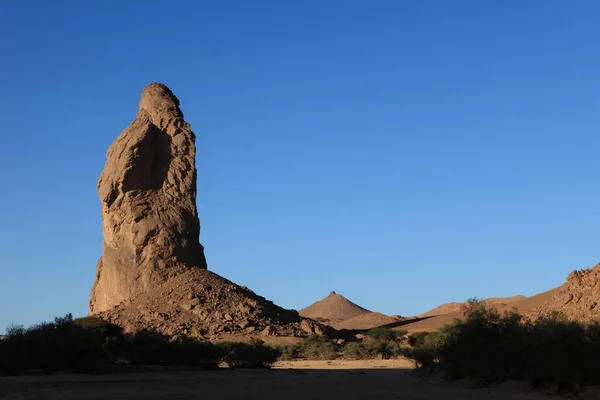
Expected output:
(148, 191)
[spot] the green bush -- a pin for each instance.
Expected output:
(99, 325)
(287, 352)
(359, 351)
(321, 347)
(152, 348)
(417, 338)
(90, 344)
(194, 353)
(558, 350)
(486, 345)
(424, 350)
(244, 355)
(147, 347)
(391, 349)
(317, 347)
(493, 347)
(53, 346)
(371, 349)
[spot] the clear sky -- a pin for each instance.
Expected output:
(402, 153)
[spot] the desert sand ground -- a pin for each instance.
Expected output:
(379, 380)
(401, 363)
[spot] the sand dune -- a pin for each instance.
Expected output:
(446, 313)
(456, 306)
(365, 321)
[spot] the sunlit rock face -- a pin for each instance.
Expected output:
(150, 222)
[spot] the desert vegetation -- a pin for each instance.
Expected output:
(493, 347)
(485, 345)
(91, 345)
(379, 342)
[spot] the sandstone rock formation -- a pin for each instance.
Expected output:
(148, 192)
(152, 274)
(577, 299)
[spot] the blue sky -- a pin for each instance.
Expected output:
(404, 154)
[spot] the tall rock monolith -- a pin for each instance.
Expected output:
(150, 222)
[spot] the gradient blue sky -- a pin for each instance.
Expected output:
(402, 153)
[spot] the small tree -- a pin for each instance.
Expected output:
(317, 347)
(384, 333)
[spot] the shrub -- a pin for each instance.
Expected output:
(193, 353)
(391, 349)
(493, 347)
(557, 351)
(317, 347)
(425, 348)
(359, 351)
(53, 346)
(99, 325)
(417, 338)
(153, 348)
(88, 344)
(244, 355)
(287, 352)
(486, 345)
(146, 347)
(371, 349)
(590, 363)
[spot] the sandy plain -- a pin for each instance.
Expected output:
(348, 380)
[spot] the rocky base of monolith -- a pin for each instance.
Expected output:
(204, 306)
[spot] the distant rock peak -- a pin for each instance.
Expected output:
(333, 307)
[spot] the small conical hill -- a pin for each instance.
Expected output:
(334, 307)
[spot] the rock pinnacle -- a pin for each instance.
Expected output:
(150, 222)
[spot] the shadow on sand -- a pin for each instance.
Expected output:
(173, 383)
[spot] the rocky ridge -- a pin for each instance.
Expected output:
(577, 299)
